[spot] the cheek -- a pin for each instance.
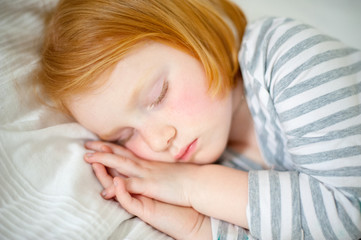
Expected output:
(191, 103)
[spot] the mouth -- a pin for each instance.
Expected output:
(187, 151)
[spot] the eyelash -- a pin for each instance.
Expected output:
(160, 97)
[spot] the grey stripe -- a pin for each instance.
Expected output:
(350, 227)
(275, 193)
(254, 204)
(261, 38)
(339, 172)
(321, 101)
(279, 156)
(339, 134)
(263, 138)
(242, 234)
(328, 155)
(313, 61)
(298, 48)
(354, 191)
(320, 209)
(296, 207)
(250, 91)
(222, 230)
(319, 80)
(271, 157)
(355, 202)
(247, 164)
(327, 121)
(305, 228)
(282, 39)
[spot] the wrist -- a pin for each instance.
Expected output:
(202, 229)
(221, 192)
(192, 187)
(205, 231)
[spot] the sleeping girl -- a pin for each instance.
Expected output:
(172, 87)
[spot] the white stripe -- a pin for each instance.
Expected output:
(280, 30)
(318, 114)
(324, 146)
(315, 92)
(286, 204)
(335, 164)
(214, 226)
(265, 208)
(290, 64)
(332, 214)
(341, 181)
(345, 124)
(309, 209)
(301, 58)
(352, 212)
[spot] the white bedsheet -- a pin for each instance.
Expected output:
(46, 190)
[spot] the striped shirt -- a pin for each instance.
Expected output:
(303, 89)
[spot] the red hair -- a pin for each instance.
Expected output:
(86, 38)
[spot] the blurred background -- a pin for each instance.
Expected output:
(338, 18)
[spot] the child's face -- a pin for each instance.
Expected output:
(155, 102)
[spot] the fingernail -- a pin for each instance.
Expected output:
(89, 155)
(104, 193)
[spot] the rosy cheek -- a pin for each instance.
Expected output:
(191, 103)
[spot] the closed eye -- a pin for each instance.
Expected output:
(161, 96)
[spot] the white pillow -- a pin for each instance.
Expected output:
(47, 190)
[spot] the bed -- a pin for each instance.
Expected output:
(46, 190)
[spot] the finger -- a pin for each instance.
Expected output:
(108, 193)
(105, 180)
(114, 173)
(122, 164)
(102, 175)
(136, 186)
(131, 204)
(98, 146)
(117, 149)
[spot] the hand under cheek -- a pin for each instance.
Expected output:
(98, 146)
(141, 149)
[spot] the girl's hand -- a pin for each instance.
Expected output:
(212, 190)
(176, 221)
(167, 182)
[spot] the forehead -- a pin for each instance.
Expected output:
(100, 108)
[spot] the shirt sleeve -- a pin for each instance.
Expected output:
(309, 84)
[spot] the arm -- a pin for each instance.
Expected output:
(304, 93)
(213, 190)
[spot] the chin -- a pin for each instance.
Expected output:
(209, 158)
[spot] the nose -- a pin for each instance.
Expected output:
(159, 138)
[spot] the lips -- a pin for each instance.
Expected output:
(187, 151)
